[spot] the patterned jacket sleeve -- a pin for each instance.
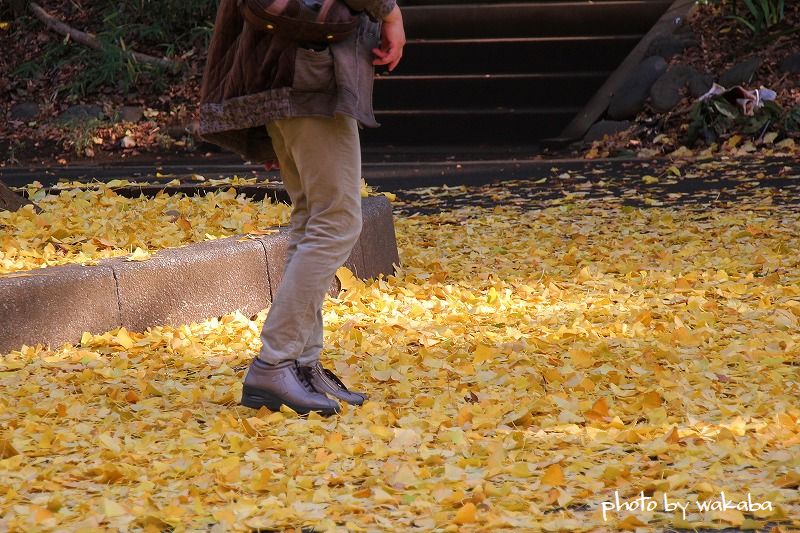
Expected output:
(376, 9)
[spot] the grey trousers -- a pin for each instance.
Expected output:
(320, 161)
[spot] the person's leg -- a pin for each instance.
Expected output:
(297, 228)
(290, 177)
(313, 347)
(321, 379)
(320, 161)
(286, 383)
(326, 155)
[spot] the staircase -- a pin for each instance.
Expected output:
(499, 73)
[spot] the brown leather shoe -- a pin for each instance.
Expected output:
(283, 384)
(326, 381)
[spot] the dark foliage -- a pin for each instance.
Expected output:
(716, 118)
(163, 28)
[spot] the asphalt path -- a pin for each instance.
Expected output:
(432, 186)
(654, 183)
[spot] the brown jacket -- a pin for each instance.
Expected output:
(253, 77)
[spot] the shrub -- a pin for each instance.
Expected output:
(761, 15)
(171, 25)
(716, 117)
(159, 27)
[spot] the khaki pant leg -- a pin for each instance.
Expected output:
(326, 155)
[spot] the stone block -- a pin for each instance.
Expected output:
(606, 127)
(80, 113)
(193, 283)
(130, 113)
(790, 64)
(700, 83)
(378, 239)
(25, 111)
(356, 260)
(55, 305)
(630, 99)
(667, 92)
(741, 73)
(669, 45)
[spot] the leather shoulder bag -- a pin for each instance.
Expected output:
(306, 21)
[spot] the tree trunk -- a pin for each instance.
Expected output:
(9, 200)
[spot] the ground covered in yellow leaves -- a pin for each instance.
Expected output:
(86, 225)
(79, 223)
(527, 368)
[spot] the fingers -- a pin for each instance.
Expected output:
(380, 54)
(393, 39)
(389, 57)
(397, 58)
(383, 58)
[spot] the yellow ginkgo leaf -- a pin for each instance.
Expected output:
(482, 354)
(139, 255)
(553, 476)
(466, 514)
(347, 279)
(124, 339)
(112, 509)
(7, 449)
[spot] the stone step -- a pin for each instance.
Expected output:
(515, 55)
(479, 91)
(461, 126)
(540, 19)
(498, 72)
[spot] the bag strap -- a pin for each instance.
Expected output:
(254, 19)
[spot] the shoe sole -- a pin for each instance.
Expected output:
(256, 399)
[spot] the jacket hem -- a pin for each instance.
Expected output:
(243, 112)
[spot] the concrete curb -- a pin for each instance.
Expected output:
(55, 305)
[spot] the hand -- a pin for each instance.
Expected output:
(393, 39)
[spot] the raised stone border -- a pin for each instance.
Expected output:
(595, 108)
(55, 305)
